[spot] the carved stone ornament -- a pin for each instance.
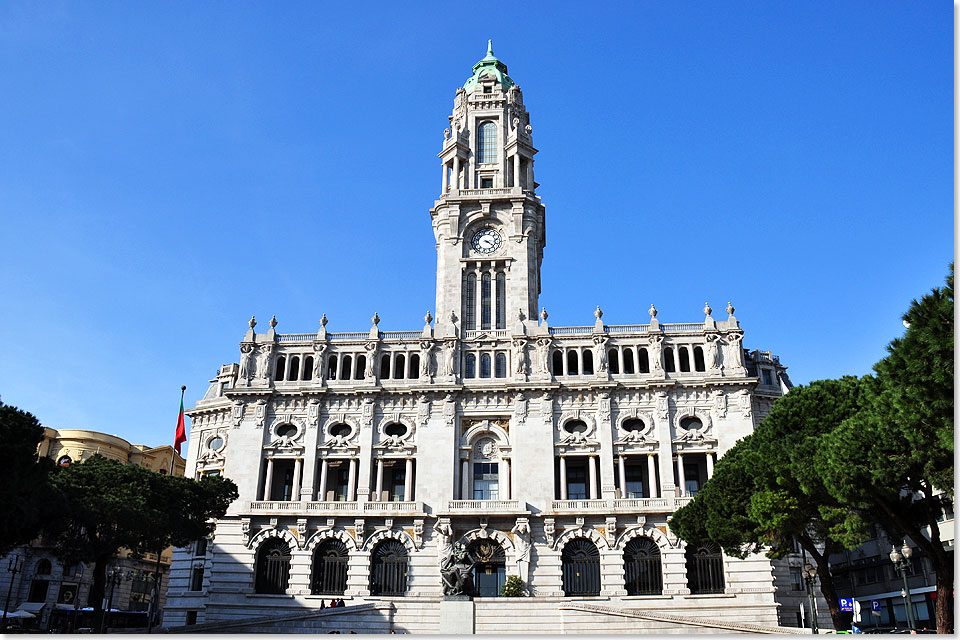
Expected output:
(246, 362)
(313, 412)
(450, 358)
(245, 528)
(366, 412)
(603, 408)
(734, 352)
(371, 349)
(520, 405)
(656, 354)
(423, 411)
(520, 356)
(358, 531)
(746, 405)
(260, 412)
(663, 405)
(610, 531)
(546, 408)
(236, 413)
(450, 410)
(549, 530)
(720, 404)
(444, 537)
(486, 449)
(264, 359)
(600, 352)
(418, 533)
(426, 355)
(318, 369)
(543, 356)
(713, 354)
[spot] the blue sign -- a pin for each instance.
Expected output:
(846, 604)
(855, 629)
(875, 605)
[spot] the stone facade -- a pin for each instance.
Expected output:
(487, 424)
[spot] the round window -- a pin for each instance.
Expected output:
(395, 429)
(286, 430)
(633, 424)
(575, 426)
(691, 423)
(340, 430)
(216, 443)
(64, 461)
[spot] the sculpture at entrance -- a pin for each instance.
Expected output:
(455, 571)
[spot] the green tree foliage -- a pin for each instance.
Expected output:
(24, 489)
(107, 506)
(512, 587)
(765, 491)
(896, 456)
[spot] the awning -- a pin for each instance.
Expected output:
(32, 607)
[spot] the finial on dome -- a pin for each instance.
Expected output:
(543, 314)
(428, 318)
(706, 309)
(323, 320)
(253, 322)
(490, 47)
(375, 319)
(273, 322)
(652, 311)
(730, 308)
(598, 313)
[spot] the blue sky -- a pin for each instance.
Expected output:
(167, 170)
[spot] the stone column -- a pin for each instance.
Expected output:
(709, 464)
(268, 482)
(297, 471)
(455, 179)
(505, 479)
(593, 478)
(563, 477)
(352, 481)
(516, 170)
(478, 303)
(623, 477)
(443, 180)
(379, 486)
(652, 476)
(408, 481)
(680, 474)
(322, 489)
(465, 480)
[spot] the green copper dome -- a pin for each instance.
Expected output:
(489, 67)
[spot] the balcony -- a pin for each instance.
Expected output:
(456, 507)
(308, 507)
(619, 505)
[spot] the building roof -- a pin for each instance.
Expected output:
(489, 66)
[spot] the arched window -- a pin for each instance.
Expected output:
(628, 361)
(470, 366)
(281, 368)
(704, 568)
(698, 359)
(489, 572)
(332, 368)
(470, 302)
(388, 569)
(690, 423)
(485, 301)
(385, 366)
(273, 566)
(633, 424)
(292, 373)
(642, 568)
(558, 363)
(644, 361)
(73, 571)
(581, 568)
(485, 365)
(399, 363)
(414, 366)
(684, 358)
(487, 142)
(501, 300)
(361, 367)
(613, 358)
(308, 368)
(587, 362)
(501, 365)
(572, 363)
(668, 365)
(43, 567)
(329, 568)
(346, 363)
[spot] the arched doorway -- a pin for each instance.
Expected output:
(388, 570)
(330, 568)
(490, 570)
(581, 568)
(643, 571)
(273, 567)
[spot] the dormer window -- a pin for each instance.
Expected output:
(487, 143)
(486, 183)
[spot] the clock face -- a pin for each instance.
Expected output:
(486, 241)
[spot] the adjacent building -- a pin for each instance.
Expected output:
(554, 454)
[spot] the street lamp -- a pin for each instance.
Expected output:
(114, 578)
(901, 561)
(15, 566)
(809, 574)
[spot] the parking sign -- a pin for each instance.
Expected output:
(875, 605)
(846, 604)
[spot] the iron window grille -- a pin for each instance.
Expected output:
(329, 568)
(643, 569)
(704, 569)
(581, 568)
(388, 573)
(273, 567)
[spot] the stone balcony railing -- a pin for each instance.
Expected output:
(486, 506)
(312, 507)
(619, 505)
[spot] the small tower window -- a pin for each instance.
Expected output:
(485, 365)
(471, 366)
(501, 365)
(487, 144)
(501, 300)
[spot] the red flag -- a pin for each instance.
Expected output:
(181, 436)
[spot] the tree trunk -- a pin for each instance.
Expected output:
(944, 606)
(826, 580)
(99, 587)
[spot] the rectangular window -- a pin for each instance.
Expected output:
(397, 486)
(576, 481)
(691, 475)
(196, 579)
(191, 617)
(341, 482)
(501, 301)
(486, 481)
(201, 547)
(485, 301)
(767, 377)
(470, 302)
(486, 183)
(796, 579)
(634, 476)
(38, 591)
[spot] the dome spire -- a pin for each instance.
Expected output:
(489, 67)
(490, 49)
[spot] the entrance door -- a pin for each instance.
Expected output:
(489, 579)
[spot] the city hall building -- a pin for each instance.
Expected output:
(554, 454)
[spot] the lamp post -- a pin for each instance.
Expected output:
(809, 574)
(114, 578)
(15, 566)
(901, 561)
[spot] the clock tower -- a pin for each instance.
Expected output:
(488, 221)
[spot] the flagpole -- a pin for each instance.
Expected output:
(183, 389)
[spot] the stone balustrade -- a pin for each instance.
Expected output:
(486, 506)
(316, 507)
